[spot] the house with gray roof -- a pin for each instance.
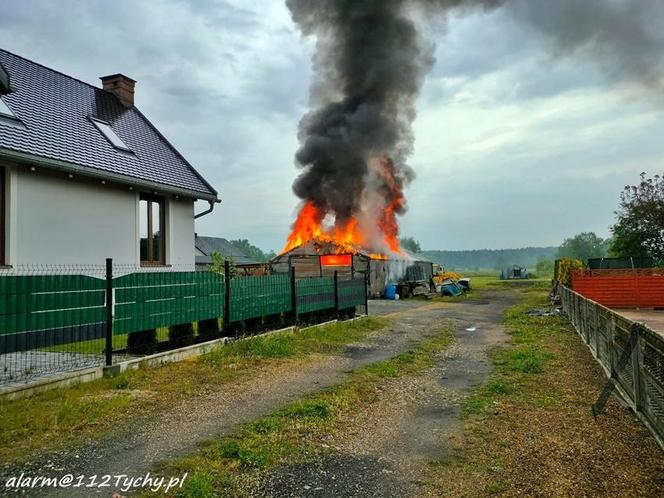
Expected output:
(206, 246)
(84, 175)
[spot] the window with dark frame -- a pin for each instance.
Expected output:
(152, 240)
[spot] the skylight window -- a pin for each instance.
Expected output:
(110, 135)
(4, 110)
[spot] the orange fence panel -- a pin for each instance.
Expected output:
(631, 288)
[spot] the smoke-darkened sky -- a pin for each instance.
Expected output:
(528, 125)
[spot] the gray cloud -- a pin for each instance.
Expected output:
(624, 36)
(517, 125)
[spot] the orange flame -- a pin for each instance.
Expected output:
(388, 221)
(336, 260)
(308, 227)
(349, 237)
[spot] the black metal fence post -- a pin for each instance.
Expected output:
(366, 294)
(336, 292)
(109, 311)
(227, 295)
(293, 293)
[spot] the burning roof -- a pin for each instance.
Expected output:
(372, 229)
(355, 139)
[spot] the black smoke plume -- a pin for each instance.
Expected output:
(370, 63)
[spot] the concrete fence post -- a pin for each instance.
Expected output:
(635, 340)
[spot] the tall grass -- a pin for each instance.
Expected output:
(52, 418)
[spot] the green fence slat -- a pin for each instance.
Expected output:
(41, 302)
(254, 297)
(314, 294)
(351, 293)
(146, 300)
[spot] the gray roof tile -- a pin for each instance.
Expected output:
(208, 245)
(55, 110)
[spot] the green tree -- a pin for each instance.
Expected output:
(639, 228)
(544, 267)
(583, 246)
(410, 244)
(219, 263)
(629, 240)
(251, 251)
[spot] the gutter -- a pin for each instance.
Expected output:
(207, 211)
(90, 172)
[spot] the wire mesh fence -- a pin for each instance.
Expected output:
(57, 318)
(631, 354)
(51, 320)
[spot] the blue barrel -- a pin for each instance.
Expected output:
(390, 291)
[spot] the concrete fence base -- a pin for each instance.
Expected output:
(90, 374)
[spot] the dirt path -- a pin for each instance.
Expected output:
(176, 432)
(384, 450)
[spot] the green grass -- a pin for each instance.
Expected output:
(290, 433)
(530, 432)
(328, 338)
(58, 417)
(483, 282)
(528, 359)
(520, 362)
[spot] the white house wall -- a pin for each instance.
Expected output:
(54, 220)
(180, 233)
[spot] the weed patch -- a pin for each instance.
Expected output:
(530, 432)
(50, 419)
(529, 359)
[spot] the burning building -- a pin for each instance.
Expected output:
(369, 64)
(355, 139)
(318, 257)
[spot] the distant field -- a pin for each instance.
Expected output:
(489, 259)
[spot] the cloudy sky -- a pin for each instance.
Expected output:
(518, 141)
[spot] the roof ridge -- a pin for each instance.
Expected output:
(52, 70)
(192, 177)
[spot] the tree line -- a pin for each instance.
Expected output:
(638, 231)
(491, 259)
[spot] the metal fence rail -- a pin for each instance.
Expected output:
(629, 352)
(55, 319)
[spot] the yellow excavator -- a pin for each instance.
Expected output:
(448, 282)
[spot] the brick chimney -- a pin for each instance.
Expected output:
(121, 86)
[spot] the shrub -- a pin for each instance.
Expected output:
(564, 268)
(208, 327)
(181, 335)
(142, 342)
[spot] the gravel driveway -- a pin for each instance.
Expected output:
(387, 449)
(178, 431)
